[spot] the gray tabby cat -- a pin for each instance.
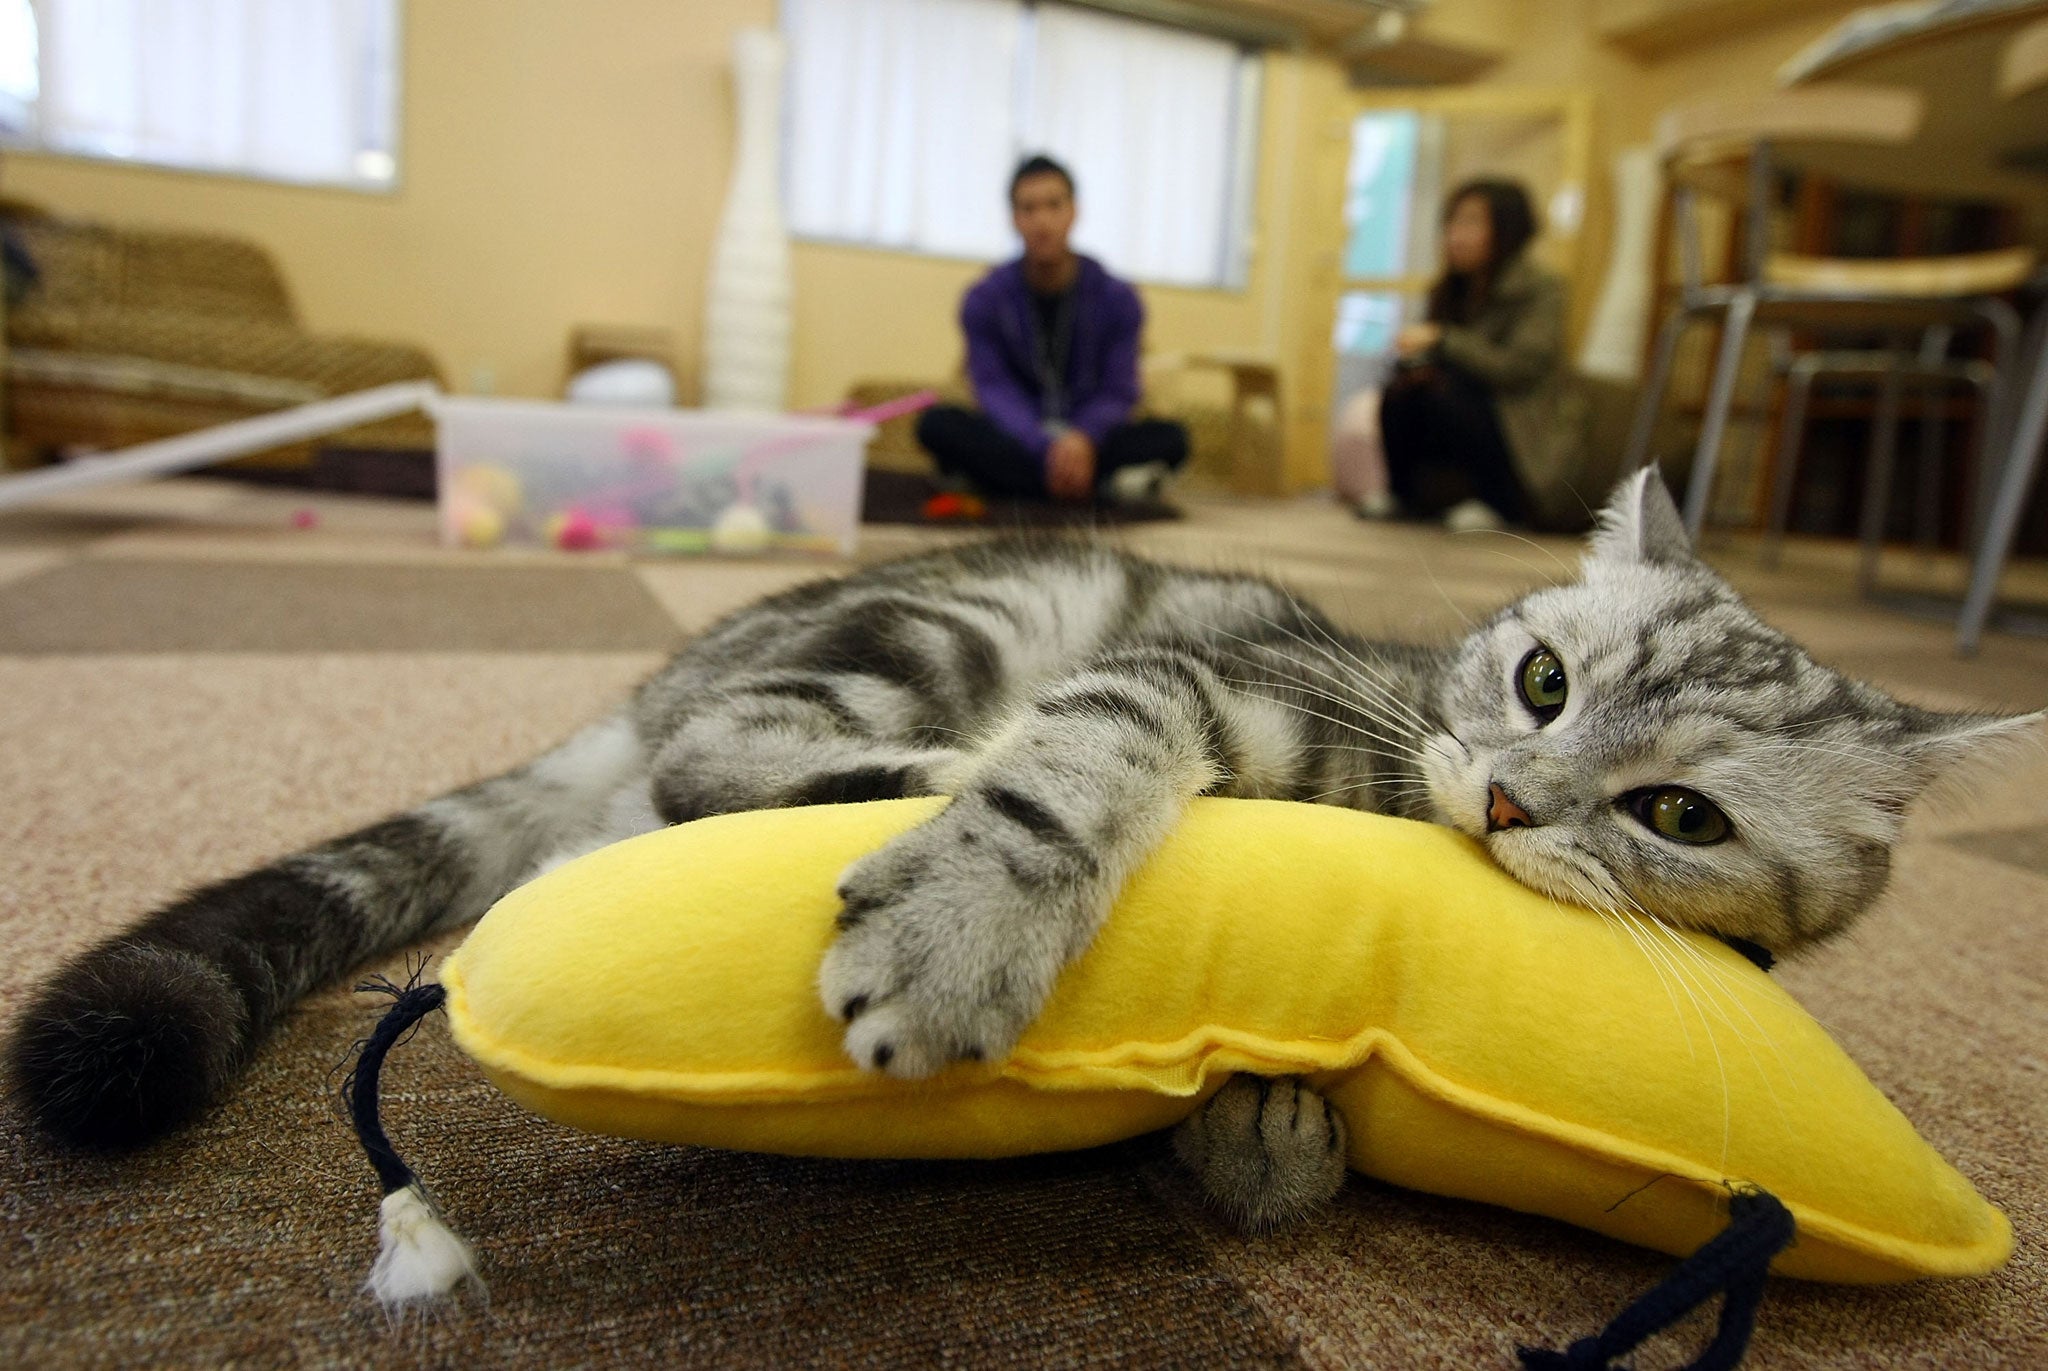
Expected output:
(1637, 738)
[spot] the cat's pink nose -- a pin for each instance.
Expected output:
(1503, 812)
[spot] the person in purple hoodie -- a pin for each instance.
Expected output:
(1052, 351)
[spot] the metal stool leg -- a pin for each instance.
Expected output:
(2009, 353)
(1645, 426)
(1798, 389)
(2014, 482)
(1745, 444)
(1877, 480)
(1720, 397)
(1933, 426)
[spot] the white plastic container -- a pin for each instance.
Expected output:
(661, 481)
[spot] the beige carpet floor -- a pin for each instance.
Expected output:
(191, 685)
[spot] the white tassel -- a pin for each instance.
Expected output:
(419, 1258)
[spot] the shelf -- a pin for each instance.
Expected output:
(1654, 29)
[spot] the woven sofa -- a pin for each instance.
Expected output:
(131, 334)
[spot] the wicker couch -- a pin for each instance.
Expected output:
(132, 334)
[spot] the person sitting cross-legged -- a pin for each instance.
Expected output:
(1052, 352)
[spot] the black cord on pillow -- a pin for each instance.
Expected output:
(1732, 1264)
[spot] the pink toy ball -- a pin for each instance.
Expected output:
(574, 530)
(579, 528)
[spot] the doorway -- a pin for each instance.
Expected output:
(1385, 164)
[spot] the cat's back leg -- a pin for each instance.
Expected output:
(872, 688)
(1266, 1151)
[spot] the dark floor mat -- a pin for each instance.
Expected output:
(898, 497)
(397, 473)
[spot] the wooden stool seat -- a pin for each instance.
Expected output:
(1903, 278)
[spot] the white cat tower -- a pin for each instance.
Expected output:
(190, 451)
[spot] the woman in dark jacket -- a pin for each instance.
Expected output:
(1481, 401)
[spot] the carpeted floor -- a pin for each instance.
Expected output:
(192, 685)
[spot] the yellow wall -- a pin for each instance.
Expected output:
(562, 163)
(565, 164)
(1556, 43)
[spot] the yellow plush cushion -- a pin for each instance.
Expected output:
(1481, 1040)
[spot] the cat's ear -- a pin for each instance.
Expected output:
(1942, 741)
(1640, 523)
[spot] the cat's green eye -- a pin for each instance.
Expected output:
(1682, 815)
(1543, 685)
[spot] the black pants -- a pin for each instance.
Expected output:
(967, 443)
(1444, 445)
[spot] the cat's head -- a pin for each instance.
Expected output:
(1638, 739)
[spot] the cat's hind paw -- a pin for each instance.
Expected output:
(1266, 1151)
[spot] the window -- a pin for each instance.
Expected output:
(288, 90)
(1392, 171)
(905, 118)
(19, 83)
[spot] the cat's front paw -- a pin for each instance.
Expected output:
(942, 955)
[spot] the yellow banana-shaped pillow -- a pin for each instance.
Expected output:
(1481, 1040)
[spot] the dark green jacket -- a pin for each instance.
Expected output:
(1517, 346)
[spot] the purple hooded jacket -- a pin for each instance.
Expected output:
(1102, 359)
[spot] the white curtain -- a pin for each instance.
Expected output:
(19, 82)
(279, 88)
(1148, 118)
(901, 119)
(906, 118)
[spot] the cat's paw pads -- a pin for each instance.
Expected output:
(1266, 1150)
(935, 961)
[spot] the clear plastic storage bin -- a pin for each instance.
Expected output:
(533, 474)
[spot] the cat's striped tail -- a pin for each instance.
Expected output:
(137, 1035)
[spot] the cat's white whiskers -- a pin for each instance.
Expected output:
(1716, 977)
(1348, 701)
(1679, 954)
(1733, 990)
(1569, 571)
(1396, 747)
(1543, 577)
(1578, 882)
(1377, 674)
(1384, 704)
(1677, 950)
(1617, 893)
(1406, 747)
(1799, 726)
(1848, 752)
(1587, 898)
(1430, 571)
(1601, 897)
(1341, 790)
(1343, 657)
(1662, 957)
(1384, 708)
(1713, 1042)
